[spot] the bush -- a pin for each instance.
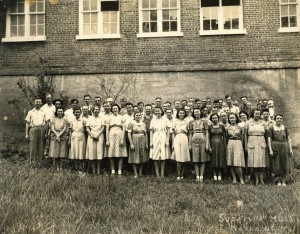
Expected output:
(14, 147)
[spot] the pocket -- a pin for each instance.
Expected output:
(250, 145)
(263, 145)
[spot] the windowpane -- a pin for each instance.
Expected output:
(105, 28)
(110, 6)
(146, 15)
(94, 18)
(153, 3)
(206, 24)
(235, 24)
(153, 26)
(284, 1)
(86, 29)
(94, 5)
(13, 31)
(94, 28)
(214, 24)
(86, 18)
(153, 15)
(13, 8)
(227, 24)
(173, 3)
(284, 10)
(173, 25)
(21, 19)
(206, 13)
(14, 20)
(165, 14)
(32, 7)
(86, 5)
(32, 30)
(145, 27)
(21, 31)
(114, 28)
(33, 19)
(293, 0)
(145, 3)
(284, 22)
(173, 14)
(166, 26)
(214, 13)
(165, 3)
(293, 10)
(105, 16)
(21, 6)
(40, 19)
(114, 16)
(293, 21)
(235, 12)
(40, 7)
(231, 2)
(40, 31)
(226, 12)
(209, 3)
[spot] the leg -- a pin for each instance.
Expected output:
(156, 164)
(112, 166)
(182, 170)
(261, 175)
(233, 174)
(120, 164)
(196, 165)
(215, 174)
(141, 169)
(41, 143)
(256, 176)
(33, 136)
(135, 170)
(178, 166)
(240, 173)
(98, 166)
(202, 169)
(93, 166)
(162, 167)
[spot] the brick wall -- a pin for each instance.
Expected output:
(262, 47)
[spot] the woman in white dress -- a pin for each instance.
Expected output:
(94, 146)
(159, 133)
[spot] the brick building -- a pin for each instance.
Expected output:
(176, 48)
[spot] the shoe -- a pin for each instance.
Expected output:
(178, 178)
(201, 178)
(219, 178)
(197, 178)
(181, 178)
(283, 184)
(234, 181)
(119, 172)
(135, 176)
(279, 184)
(113, 172)
(215, 178)
(242, 182)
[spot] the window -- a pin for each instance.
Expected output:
(289, 16)
(159, 18)
(25, 22)
(221, 17)
(98, 19)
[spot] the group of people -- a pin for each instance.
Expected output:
(242, 139)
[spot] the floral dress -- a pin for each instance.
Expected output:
(235, 151)
(59, 149)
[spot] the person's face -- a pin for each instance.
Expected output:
(208, 107)
(177, 105)
(208, 100)
(187, 109)
(37, 103)
(157, 112)
(205, 111)
(232, 119)
(49, 99)
(158, 102)
(197, 113)
(220, 104)
(74, 104)
(98, 100)
(60, 113)
(249, 105)
(85, 110)
(203, 102)
(169, 105)
(153, 109)
(198, 104)
(169, 114)
(96, 111)
(216, 104)
(243, 117)
(229, 101)
(115, 110)
(148, 110)
(278, 120)
(106, 108)
(224, 117)
(57, 104)
(183, 103)
(141, 107)
(215, 110)
(244, 100)
(122, 102)
(181, 114)
(136, 109)
(77, 114)
(226, 109)
(87, 100)
(190, 105)
(265, 102)
(266, 115)
(215, 119)
(129, 109)
(165, 107)
(138, 116)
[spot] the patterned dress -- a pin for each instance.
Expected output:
(235, 151)
(95, 148)
(115, 124)
(198, 143)
(160, 150)
(217, 144)
(281, 161)
(257, 147)
(59, 149)
(78, 140)
(181, 145)
(138, 133)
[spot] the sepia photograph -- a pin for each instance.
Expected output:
(150, 116)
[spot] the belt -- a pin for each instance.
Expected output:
(235, 139)
(37, 126)
(198, 132)
(141, 132)
(256, 135)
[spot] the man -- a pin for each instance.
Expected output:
(87, 102)
(35, 131)
(209, 108)
(48, 108)
(165, 107)
(123, 101)
(198, 103)
(244, 106)
(158, 101)
(110, 101)
(69, 113)
(203, 102)
(177, 106)
(232, 108)
(208, 100)
(147, 120)
(106, 115)
(189, 117)
(97, 102)
(271, 108)
(141, 106)
(220, 104)
(58, 103)
(183, 103)
(128, 117)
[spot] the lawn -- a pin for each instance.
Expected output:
(43, 200)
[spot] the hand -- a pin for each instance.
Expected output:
(173, 148)
(151, 146)
(271, 153)
(190, 147)
(27, 136)
(107, 143)
(122, 142)
(167, 143)
(291, 152)
(206, 147)
(57, 138)
(209, 150)
(132, 147)
(147, 146)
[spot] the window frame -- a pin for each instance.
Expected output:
(99, 35)
(223, 31)
(159, 32)
(26, 36)
(290, 29)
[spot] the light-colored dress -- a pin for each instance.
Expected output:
(95, 148)
(160, 128)
(59, 149)
(257, 147)
(115, 124)
(138, 133)
(235, 151)
(78, 141)
(198, 142)
(181, 145)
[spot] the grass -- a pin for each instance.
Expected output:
(42, 200)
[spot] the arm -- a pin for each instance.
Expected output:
(168, 136)
(146, 139)
(27, 130)
(88, 129)
(107, 134)
(290, 145)
(151, 138)
(270, 146)
(123, 133)
(173, 137)
(207, 140)
(130, 140)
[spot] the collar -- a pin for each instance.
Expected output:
(276, 128)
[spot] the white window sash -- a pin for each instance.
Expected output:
(290, 29)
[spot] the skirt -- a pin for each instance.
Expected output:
(139, 154)
(58, 149)
(95, 148)
(78, 144)
(218, 154)
(181, 148)
(198, 148)
(257, 149)
(235, 153)
(115, 149)
(159, 150)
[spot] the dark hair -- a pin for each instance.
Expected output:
(57, 100)
(77, 107)
(237, 119)
(97, 106)
(140, 103)
(227, 96)
(183, 100)
(244, 112)
(181, 109)
(243, 97)
(201, 109)
(158, 98)
(148, 105)
(216, 101)
(74, 100)
(278, 115)
(86, 95)
(59, 108)
(197, 100)
(193, 113)
(128, 104)
(253, 110)
(212, 115)
(169, 102)
(264, 110)
(158, 107)
(115, 104)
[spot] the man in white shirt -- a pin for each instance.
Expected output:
(69, 115)
(48, 108)
(232, 108)
(36, 130)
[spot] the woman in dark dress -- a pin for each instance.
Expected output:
(280, 148)
(217, 134)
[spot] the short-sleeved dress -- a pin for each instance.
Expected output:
(217, 144)
(115, 124)
(198, 143)
(78, 140)
(181, 145)
(59, 149)
(160, 128)
(95, 148)
(281, 161)
(235, 151)
(257, 146)
(138, 133)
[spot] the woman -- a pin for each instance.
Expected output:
(235, 151)
(199, 143)
(180, 142)
(217, 135)
(138, 144)
(224, 119)
(256, 138)
(77, 139)
(280, 147)
(204, 114)
(159, 133)
(95, 141)
(58, 138)
(115, 132)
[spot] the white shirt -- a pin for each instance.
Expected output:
(128, 119)
(69, 115)
(36, 117)
(49, 111)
